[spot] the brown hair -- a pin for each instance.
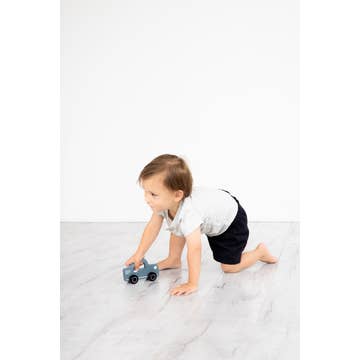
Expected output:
(177, 175)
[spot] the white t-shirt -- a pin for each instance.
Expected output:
(211, 209)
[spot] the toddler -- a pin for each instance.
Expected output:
(189, 212)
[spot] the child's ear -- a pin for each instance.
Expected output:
(179, 195)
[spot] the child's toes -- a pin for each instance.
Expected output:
(271, 260)
(266, 256)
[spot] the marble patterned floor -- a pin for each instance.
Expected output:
(251, 315)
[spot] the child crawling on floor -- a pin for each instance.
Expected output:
(189, 212)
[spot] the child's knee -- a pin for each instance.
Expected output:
(229, 268)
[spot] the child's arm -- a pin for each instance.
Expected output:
(193, 242)
(150, 233)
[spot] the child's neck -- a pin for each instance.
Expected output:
(172, 212)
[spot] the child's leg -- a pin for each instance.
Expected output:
(176, 246)
(249, 258)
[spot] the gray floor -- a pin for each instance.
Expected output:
(250, 315)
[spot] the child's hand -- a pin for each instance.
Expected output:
(136, 258)
(183, 289)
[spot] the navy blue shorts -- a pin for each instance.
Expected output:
(228, 246)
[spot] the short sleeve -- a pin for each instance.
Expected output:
(190, 222)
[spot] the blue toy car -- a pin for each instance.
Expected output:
(149, 271)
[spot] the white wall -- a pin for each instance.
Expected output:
(213, 81)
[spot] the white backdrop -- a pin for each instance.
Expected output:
(213, 81)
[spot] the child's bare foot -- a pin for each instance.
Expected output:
(266, 256)
(169, 264)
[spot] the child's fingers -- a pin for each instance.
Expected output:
(128, 262)
(175, 292)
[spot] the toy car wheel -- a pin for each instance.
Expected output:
(133, 279)
(152, 276)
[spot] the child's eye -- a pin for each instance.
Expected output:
(153, 194)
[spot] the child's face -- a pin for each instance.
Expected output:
(157, 196)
